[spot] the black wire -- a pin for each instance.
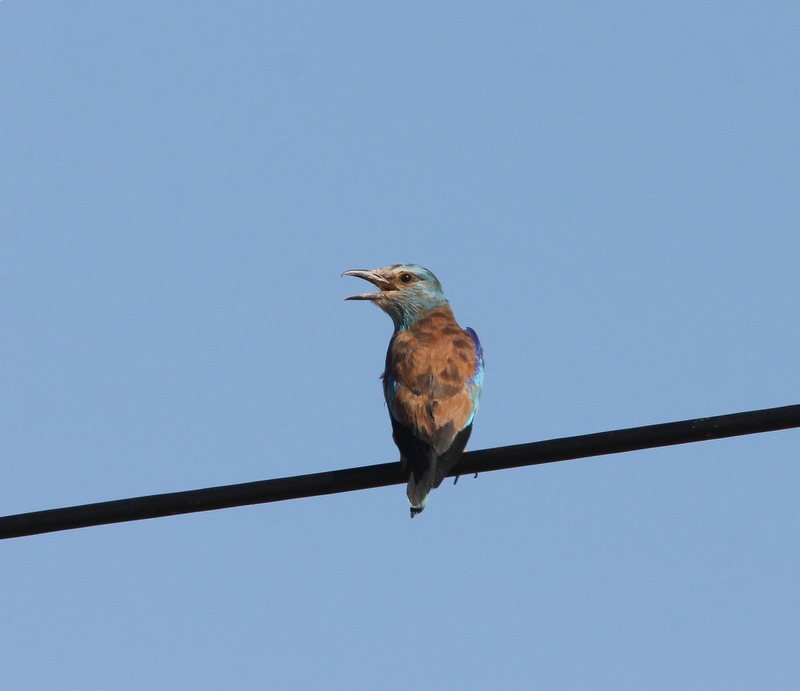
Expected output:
(352, 479)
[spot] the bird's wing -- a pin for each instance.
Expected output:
(475, 382)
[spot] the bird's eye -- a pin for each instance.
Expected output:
(406, 278)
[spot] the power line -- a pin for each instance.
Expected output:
(351, 479)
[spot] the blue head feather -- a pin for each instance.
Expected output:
(407, 292)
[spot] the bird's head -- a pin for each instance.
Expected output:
(406, 291)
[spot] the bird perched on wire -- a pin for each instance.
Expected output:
(433, 376)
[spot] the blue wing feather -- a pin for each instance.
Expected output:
(389, 383)
(475, 382)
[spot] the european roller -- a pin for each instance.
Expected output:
(433, 375)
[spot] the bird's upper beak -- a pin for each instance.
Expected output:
(373, 277)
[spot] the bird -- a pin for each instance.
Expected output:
(433, 376)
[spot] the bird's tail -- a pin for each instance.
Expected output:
(419, 487)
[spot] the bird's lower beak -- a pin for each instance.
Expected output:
(374, 278)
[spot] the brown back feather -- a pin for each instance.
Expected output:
(431, 363)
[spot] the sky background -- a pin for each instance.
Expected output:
(608, 193)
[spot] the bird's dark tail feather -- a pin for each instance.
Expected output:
(445, 462)
(419, 488)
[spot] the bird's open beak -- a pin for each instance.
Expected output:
(374, 278)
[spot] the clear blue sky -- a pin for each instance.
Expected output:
(608, 193)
